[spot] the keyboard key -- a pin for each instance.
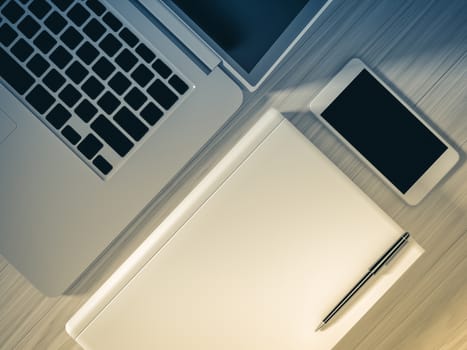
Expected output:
(22, 50)
(135, 98)
(92, 87)
(102, 164)
(71, 135)
(7, 34)
(128, 37)
(40, 99)
(145, 53)
(90, 146)
(142, 75)
(71, 37)
(178, 84)
(58, 116)
(112, 21)
(161, 68)
(94, 29)
(108, 102)
(131, 124)
(86, 111)
(76, 72)
(110, 134)
(55, 22)
(119, 83)
(87, 53)
(62, 4)
(38, 65)
(96, 7)
(40, 8)
(54, 80)
(78, 14)
(126, 60)
(162, 94)
(103, 68)
(60, 57)
(110, 44)
(14, 74)
(151, 113)
(69, 95)
(12, 11)
(28, 26)
(44, 42)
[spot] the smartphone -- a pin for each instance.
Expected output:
(384, 131)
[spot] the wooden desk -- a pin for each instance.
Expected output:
(420, 47)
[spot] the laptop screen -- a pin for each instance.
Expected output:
(250, 35)
(245, 29)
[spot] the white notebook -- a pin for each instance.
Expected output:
(254, 258)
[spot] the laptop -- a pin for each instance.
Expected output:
(102, 103)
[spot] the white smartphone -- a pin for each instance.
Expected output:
(384, 131)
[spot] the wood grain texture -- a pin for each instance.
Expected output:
(420, 48)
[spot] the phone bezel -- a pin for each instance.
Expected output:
(435, 172)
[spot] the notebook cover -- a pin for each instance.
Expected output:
(276, 237)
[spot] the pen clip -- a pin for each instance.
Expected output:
(396, 252)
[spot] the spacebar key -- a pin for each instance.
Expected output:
(110, 134)
(14, 74)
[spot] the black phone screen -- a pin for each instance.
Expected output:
(384, 131)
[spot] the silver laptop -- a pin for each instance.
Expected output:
(102, 103)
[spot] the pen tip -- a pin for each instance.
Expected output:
(321, 325)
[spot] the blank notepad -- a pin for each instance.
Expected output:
(261, 250)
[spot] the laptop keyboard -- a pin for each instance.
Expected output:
(87, 76)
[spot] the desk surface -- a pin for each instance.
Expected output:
(420, 47)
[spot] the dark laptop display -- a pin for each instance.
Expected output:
(251, 34)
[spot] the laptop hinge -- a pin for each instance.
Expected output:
(182, 32)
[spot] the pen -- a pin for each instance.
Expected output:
(385, 259)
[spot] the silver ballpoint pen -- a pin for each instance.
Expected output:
(385, 259)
